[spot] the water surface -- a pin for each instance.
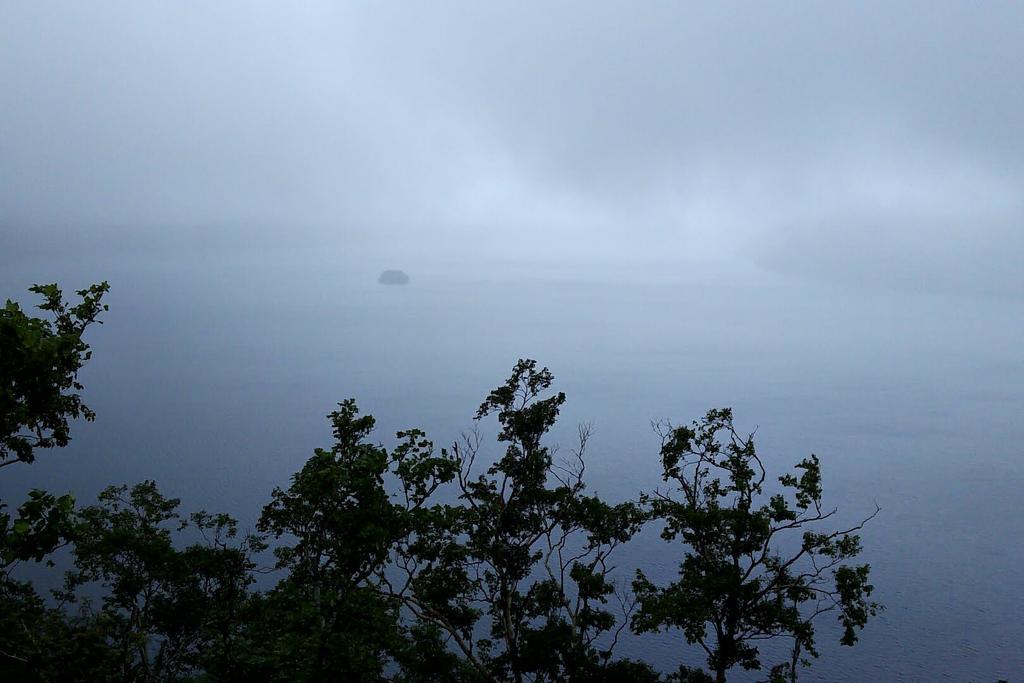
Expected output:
(213, 372)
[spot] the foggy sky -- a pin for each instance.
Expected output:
(862, 141)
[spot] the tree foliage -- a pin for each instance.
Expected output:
(339, 524)
(39, 363)
(518, 575)
(167, 612)
(737, 584)
(410, 563)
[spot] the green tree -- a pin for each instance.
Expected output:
(407, 564)
(32, 632)
(738, 585)
(509, 579)
(518, 575)
(167, 612)
(39, 363)
(40, 641)
(340, 519)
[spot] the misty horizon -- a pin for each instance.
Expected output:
(811, 213)
(825, 141)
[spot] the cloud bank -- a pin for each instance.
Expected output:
(869, 141)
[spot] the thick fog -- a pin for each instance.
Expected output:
(811, 212)
(875, 142)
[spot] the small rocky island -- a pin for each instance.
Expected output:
(393, 277)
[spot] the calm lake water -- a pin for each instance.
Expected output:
(213, 372)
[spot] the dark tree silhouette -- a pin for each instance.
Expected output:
(39, 363)
(407, 564)
(737, 584)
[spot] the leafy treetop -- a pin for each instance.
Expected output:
(39, 363)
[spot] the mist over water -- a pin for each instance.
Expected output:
(810, 213)
(213, 373)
